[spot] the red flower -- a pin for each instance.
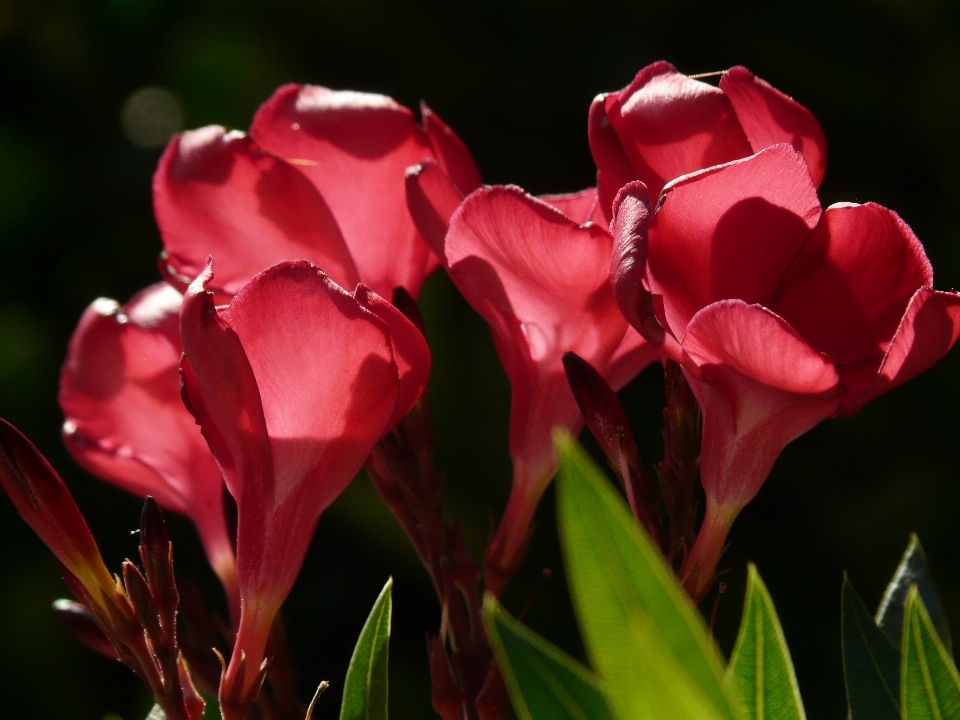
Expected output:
(292, 383)
(320, 177)
(665, 124)
(780, 314)
(126, 422)
(537, 270)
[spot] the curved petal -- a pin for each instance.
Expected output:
(355, 148)
(613, 167)
(431, 199)
(632, 355)
(452, 155)
(850, 285)
(581, 207)
(217, 193)
(670, 125)
(760, 386)
(126, 422)
(410, 351)
(541, 281)
(930, 327)
(730, 232)
(769, 117)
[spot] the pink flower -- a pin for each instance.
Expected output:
(665, 124)
(780, 313)
(126, 422)
(292, 383)
(320, 177)
(537, 270)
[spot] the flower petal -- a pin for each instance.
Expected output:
(768, 117)
(355, 148)
(730, 232)
(581, 207)
(613, 167)
(930, 327)
(217, 193)
(410, 351)
(849, 287)
(760, 386)
(431, 199)
(452, 155)
(670, 125)
(125, 419)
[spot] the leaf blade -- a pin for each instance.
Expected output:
(760, 666)
(912, 570)
(929, 683)
(543, 681)
(644, 637)
(365, 690)
(871, 664)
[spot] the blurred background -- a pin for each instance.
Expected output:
(90, 90)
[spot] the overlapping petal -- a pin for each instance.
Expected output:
(666, 124)
(126, 423)
(355, 148)
(729, 232)
(293, 383)
(541, 281)
(218, 193)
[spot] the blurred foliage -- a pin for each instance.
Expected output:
(514, 79)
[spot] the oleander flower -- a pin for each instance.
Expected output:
(537, 270)
(292, 383)
(319, 177)
(665, 124)
(780, 313)
(126, 423)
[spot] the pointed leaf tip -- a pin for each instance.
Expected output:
(760, 666)
(365, 689)
(543, 681)
(871, 664)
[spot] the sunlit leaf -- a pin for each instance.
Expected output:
(760, 666)
(929, 684)
(646, 640)
(871, 665)
(365, 689)
(913, 570)
(544, 682)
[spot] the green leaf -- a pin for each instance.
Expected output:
(871, 665)
(929, 684)
(544, 682)
(645, 639)
(365, 689)
(913, 570)
(760, 666)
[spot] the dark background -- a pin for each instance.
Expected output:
(515, 81)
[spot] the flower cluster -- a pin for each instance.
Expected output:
(248, 388)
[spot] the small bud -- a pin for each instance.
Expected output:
(156, 553)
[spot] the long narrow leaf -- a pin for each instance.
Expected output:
(912, 570)
(929, 684)
(544, 682)
(871, 665)
(645, 639)
(760, 666)
(365, 689)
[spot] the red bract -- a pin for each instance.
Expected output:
(665, 124)
(320, 177)
(292, 383)
(780, 314)
(126, 422)
(540, 278)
